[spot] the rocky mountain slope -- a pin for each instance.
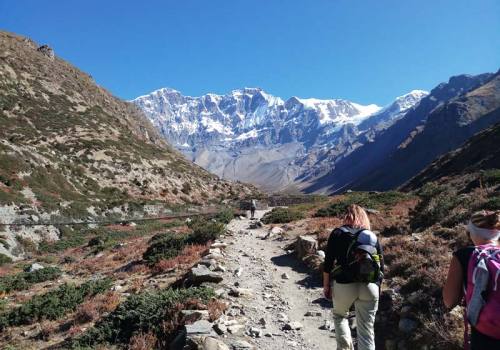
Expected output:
(442, 121)
(481, 152)
(69, 150)
(252, 136)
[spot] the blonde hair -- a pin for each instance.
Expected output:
(486, 219)
(357, 217)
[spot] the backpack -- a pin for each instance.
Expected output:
(482, 293)
(363, 260)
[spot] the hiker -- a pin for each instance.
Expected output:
(253, 207)
(353, 271)
(474, 275)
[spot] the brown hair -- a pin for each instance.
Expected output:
(486, 219)
(357, 217)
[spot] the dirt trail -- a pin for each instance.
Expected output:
(276, 298)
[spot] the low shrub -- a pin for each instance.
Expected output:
(4, 259)
(149, 312)
(369, 200)
(189, 255)
(282, 216)
(54, 304)
(492, 203)
(164, 246)
(490, 177)
(24, 280)
(143, 341)
(225, 215)
(204, 230)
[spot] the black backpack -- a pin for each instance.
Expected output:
(363, 262)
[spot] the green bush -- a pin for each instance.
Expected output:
(491, 177)
(282, 216)
(54, 304)
(436, 205)
(492, 203)
(141, 313)
(370, 200)
(204, 230)
(164, 246)
(4, 259)
(225, 215)
(24, 280)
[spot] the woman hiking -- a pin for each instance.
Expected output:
(474, 275)
(352, 275)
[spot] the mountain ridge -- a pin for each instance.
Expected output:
(242, 135)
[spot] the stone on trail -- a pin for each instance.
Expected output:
(282, 317)
(277, 230)
(285, 276)
(293, 326)
(194, 315)
(306, 245)
(240, 292)
(210, 343)
(202, 327)
(255, 332)
(327, 326)
(220, 328)
(236, 329)
(201, 273)
(238, 271)
(208, 262)
(219, 245)
(241, 345)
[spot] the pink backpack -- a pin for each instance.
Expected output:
(482, 294)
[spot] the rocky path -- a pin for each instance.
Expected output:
(274, 303)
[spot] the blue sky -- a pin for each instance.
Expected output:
(368, 51)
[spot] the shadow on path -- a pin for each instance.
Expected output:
(290, 260)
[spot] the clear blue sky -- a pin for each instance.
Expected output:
(368, 51)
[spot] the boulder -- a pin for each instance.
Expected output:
(210, 343)
(201, 327)
(241, 345)
(277, 230)
(35, 267)
(47, 51)
(306, 245)
(218, 245)
(313, 261)
(293, 326)
(191, 316)
(201, 273)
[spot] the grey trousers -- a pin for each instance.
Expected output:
(365, 299)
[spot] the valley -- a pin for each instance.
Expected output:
(125, 225)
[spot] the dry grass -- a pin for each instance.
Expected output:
(47, 328)
(143, 341)
(188, 257)
(216, 309)
(93, 308)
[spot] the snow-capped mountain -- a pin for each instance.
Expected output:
(252, 136)
(246, 114)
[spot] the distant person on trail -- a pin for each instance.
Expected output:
(253, 207)
(353, 272)
(474, 276)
